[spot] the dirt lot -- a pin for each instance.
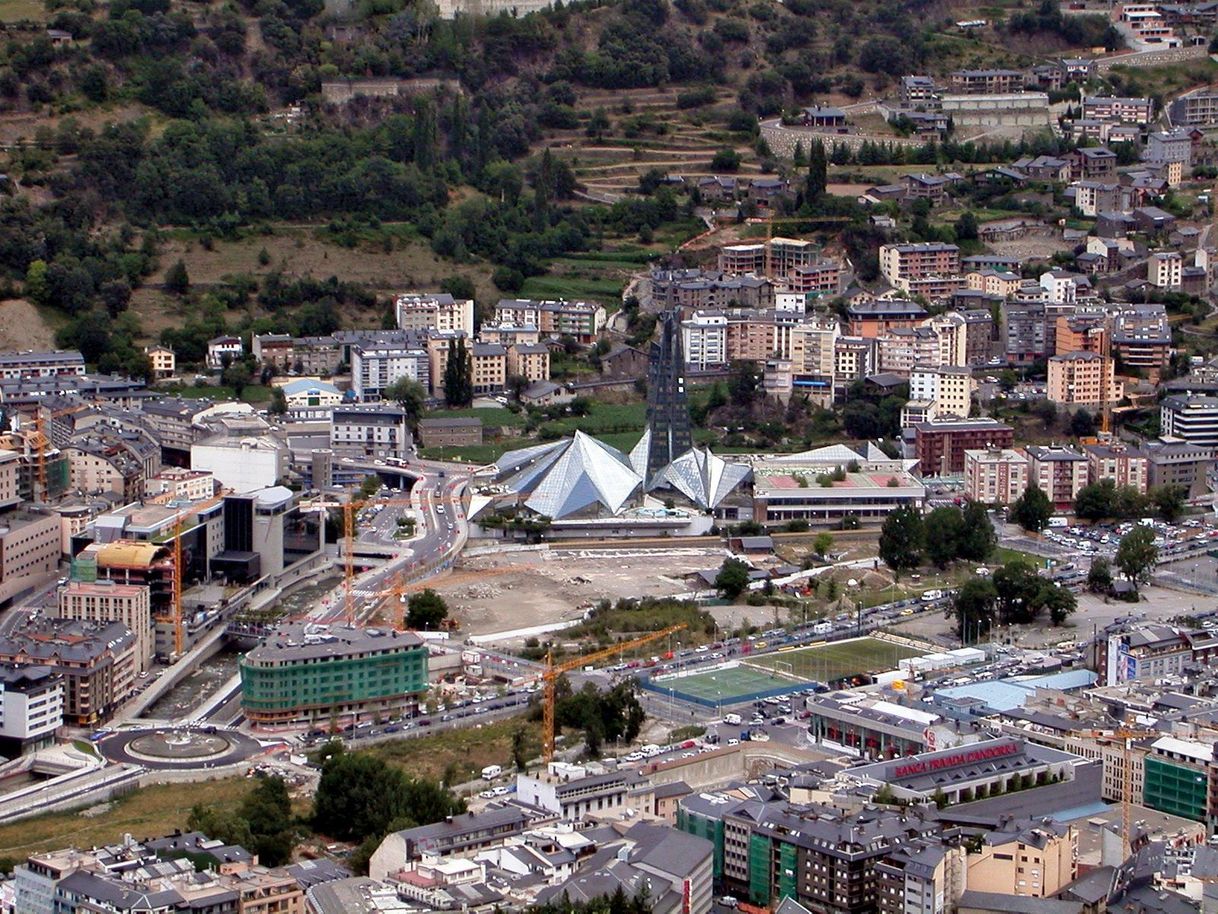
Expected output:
(1158, 605)
(1030, 248)
(511, 591)
(22, 327)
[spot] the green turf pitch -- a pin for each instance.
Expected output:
(727, 685)
(829, 662)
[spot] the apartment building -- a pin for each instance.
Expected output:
(900, 263)
(985, 82)
(940, 445)
(775, 258)
(993, 282)
(434, 311)
(530, 361)
(109, 601)
(31, 707)
(1023, 331)
(853, 358)
(273, 349)
(948, 389)
(163, 360)
(29, 552)
(33, 363)
(695, 290)
(580, 320)
(1178, 463)
(995, 476)
(509, 334)
(1059, 472)
(824, 277)
(1037, 861)
(1123, 464)
(179, 484)
(1165, 269)
(224, 350)
(1080, 333)
(1167, 146)
(1081, 379)
(924, 876)
(1193, 419)
(871, 319)
(978, 336)
(1196, 109)
(704, 340)
(900, 349)
(370, 430)
(1141, 339)
(951, 330)
(1123, 110)
(375, 366)
(814, 347)
(1062, 286)
(96, 659)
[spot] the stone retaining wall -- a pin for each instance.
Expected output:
(1152, 58)
(782, 140)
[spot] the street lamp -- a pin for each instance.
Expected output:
(852, 585)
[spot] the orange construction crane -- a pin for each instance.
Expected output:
(179, 527)
(1126, 736)
(41, 442)
(554, 670)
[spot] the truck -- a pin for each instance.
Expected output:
(822, 628)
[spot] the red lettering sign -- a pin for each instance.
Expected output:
(955, 760)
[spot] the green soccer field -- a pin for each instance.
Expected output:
(726, 685)
(829, 662)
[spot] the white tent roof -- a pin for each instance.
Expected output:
(702, 477)
(567, 476)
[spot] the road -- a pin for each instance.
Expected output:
(437, 500)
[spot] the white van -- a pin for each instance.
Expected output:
(651, 750)
(490, 772)
(733, 719)
(931, 595)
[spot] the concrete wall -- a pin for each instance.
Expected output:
(782, 140)
(450, 8)
(1027, 109)
(1152, 58)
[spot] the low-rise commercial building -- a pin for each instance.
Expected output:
(313, 674)
(459, 431)
(571, 792)
(1191, 418)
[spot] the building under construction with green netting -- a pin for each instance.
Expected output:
(304, 673)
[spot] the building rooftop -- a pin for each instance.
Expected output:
(307, 641)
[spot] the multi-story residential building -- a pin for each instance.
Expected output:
(316, 355)
(693, 290)
(900, 263)
(995, 476)
(993, 282)
(163, 361)
(1092, 163)
(1165, 269)
(1034, 862)
(96, 659)
(273, 349)
(1123, 464)
(1141, 339)
(29, 551)
(31, 707)
(223, 350)
(1193, 419)
(306, 673)
(1081, 379)
(774, 258)
(530, 361)
(107, 460)
(951, 330)
(1182, 779)
(1094, 197)
(488, 367)
(571, 792)
(923, 876)
(509, 334)
(1023, 331)
(1178, 463)
(179, 484)
(455, 836)
(978, 335)
(1124, 110)
(948, 389)
(376, 430)
(900, 349)
(822, 277)
(109, 601)
(1080, 333)
(33, 363)
(375, 366)
(1166, 146)
(1059, 472)
(918, 91)
(985, 82)
(1196, 109)
(940, 445)
(704, 339)
(871, 319)
(1061, 286)
(853, 358)
(434, 311)
(580, 320)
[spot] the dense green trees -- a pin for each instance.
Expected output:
(973, 607)
(1137, 554)
(263, 824)
(1032, 510)
(458, 375)
(603, 716)
(733, 578)
(946, 534)
(360, 796)
(426, 610)
(1099, 576)
(903, 539)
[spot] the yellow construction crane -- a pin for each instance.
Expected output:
(1125, 736)
(40, 441)
(553, 670)
(179, 527)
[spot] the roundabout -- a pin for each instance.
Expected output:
(179, 747)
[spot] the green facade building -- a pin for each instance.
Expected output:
(1176, 787)
(315, 674)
